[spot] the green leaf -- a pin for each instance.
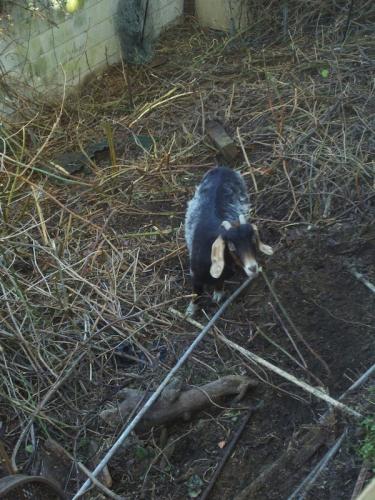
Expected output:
(194, 485)
(367, 447)
(141, 453)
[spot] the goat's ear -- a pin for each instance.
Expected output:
(266, 249)
(217, 257)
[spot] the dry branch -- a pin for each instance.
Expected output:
(363, 473)
(362, 278)
(182, 405)
(308, 482)
(291, 378)
(58, 383)
(54, 462)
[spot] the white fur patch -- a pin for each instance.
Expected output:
(250, 266)
(191, 309)
(191, 220)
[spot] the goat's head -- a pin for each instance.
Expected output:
(243, 243)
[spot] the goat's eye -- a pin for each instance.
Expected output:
(231, 246)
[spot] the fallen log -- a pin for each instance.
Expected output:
(175, 403)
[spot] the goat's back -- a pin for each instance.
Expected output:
(222, 195)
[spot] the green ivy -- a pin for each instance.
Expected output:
(367, 448)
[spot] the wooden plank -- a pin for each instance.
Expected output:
(221, 140)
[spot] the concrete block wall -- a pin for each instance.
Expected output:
(163, 13)
(225, 15)
(45, 52)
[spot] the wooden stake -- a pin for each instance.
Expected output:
(221, 140)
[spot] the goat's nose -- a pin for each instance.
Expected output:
(251, 269)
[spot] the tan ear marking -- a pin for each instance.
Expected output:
(217, 257)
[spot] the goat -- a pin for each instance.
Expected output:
(217, 235)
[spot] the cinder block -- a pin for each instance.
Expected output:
(165, 12)
(65, 32)
(100, 32)
(72, 49)
(102, 51)
(13, 55)
(45, 42)
(101, 10)
(36, 49)
(225, 15)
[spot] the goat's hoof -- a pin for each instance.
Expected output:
(217, 296)
(191, 309)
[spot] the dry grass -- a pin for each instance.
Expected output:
(88, 262)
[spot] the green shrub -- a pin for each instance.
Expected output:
(367, 448)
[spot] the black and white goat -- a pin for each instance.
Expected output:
(217, 234)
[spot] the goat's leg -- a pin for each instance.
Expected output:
(193, 306)
(218, 291)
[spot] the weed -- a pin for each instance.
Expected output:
(367, 448)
